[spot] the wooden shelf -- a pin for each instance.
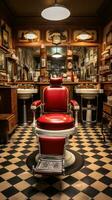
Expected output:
(107, 58)
(106, 72)
(106, 82)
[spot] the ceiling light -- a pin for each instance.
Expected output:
(55, 12)
(56, 55)
(30, 35)
(83, 36)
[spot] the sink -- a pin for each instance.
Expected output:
(88, 93)
(26, 93)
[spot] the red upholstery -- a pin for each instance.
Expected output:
(36, 103)
(52, 145)
(55, 99)
(74, 103)
(55, 121)
(56, 81)
(54, 108)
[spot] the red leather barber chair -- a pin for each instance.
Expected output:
(56, 118)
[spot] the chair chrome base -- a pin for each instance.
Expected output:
(69, 158)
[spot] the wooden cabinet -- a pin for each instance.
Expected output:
(107, 119)
(8, 112)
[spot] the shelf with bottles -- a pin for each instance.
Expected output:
(105, 69)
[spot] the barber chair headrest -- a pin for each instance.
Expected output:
(56, 81)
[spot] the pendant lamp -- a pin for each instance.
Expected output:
(55, 12)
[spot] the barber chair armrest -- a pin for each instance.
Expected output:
(36, 104)
(76, 108)
(74, 104)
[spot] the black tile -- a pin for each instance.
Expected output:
(97, 156)
(88, 180)
(108, 191)
(9, 157)
(25, 151)
(18, 171)
(50, 191)
(109, 156)
(3, 171)
(70, 180)
(5, 163)
(10, 191)
(14, 180)
(51, 180)
(108, 151)
(100, 163)
(92, 146)
(30, 191)
(106, 180)
(95, 151)
(71, 191)
(22, 157)
(102, 170)
(86, 170)
(20, 163)
(32, 180)
(1, 151)
(86, 163)
(90, 191)
(12, 151)
(1, 179)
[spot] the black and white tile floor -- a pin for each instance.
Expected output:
(93, 181)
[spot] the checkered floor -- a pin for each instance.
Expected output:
(92, 181)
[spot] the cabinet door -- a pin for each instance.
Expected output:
(5, 100)
(14, 101)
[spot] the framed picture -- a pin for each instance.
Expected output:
(21, 36)
(56, 37)
(2, 61)
(5, 38)
(93, 34)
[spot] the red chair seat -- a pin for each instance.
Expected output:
(55, 121)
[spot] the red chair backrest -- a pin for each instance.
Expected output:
(51, 145)
(55, 96)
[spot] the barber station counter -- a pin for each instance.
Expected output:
(40, 86)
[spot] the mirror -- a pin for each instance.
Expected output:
(29, 63)
(82, 65)
(56, 60)
(2, 60)
(85, 62)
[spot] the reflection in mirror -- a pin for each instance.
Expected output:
(2, 60)
(56, 66)
(85, 62)
(29, 63)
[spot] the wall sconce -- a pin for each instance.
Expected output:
(30, 36)
(55, 12)
(84, 36)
